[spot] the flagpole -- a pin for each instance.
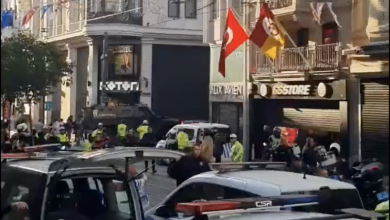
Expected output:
(245, 92)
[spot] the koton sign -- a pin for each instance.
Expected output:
(301, 90)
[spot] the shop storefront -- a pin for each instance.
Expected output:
(226, 92)
(375, 119)
(316, 108)
(226, 106)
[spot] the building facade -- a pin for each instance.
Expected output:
(370, 68)
(309, 85)
(140, 35)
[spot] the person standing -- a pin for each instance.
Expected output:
(237, 152)
(207, 146)
(69, 126)
(182, 140)
(39, 130)
(121, 132)
(56, 127)
(78, 129)
(188, 166)
(143, 129)
(148, 141)
(218, 147)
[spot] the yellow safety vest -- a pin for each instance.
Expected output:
(142, 130)
(96, 132)
(182, 140)
(87, 146)
(63, 138)
(121, 130)
(237, 152)
(383, 208)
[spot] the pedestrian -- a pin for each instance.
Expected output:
(237, 151)
(56, 126)
(218, 147)
(69, 126)
(309, 157)
(207, 146)
(39, 130)
(188, 166)
(78, 129)
(148, 141)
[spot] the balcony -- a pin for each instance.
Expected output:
(114, 11)
(313, 59)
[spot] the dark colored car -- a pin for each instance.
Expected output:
(133, 115)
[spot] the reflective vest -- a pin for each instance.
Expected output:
(63, 138)
(121, 130)
(182, 140)
(142, 130)
(237, 152)
(383, 208)
(96, 132)
(87, 146)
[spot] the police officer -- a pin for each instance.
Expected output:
(63, 137)
(274, 139)
(88, 144)
(121, 131)
(383, 208)
(143, 129)
(237, 152)
(182, 140)
(97, 131)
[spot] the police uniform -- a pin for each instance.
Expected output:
(121, 131)
(63, 138)
(143, 129)
(182, 140)
(237, 151)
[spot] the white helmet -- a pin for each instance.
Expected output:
(21, 127)
(100, 124)
(336, 147)
(145, 122)
(233, 136)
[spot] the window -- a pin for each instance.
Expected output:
(190, 8)
(189, 132)
(303, 37)
(339, 199)
(330, 33)
(122, 60)
(215, 9)
(173, 8)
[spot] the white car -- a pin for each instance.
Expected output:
(193, 132)
(216, 185)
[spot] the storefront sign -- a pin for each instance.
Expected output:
(291, 90)
(117, 86)
(233, 90)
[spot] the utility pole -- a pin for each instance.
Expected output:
(246, 106)
(104, 62)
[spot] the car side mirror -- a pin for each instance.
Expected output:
(164, 212)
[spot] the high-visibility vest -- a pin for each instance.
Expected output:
(87, 146)
(121, 130)
(237, 152)
(182, 140)
(96, 132)
(142, 130)
(383, 207)
(63, 138)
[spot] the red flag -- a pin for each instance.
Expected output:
(27, 17)
(234, 36)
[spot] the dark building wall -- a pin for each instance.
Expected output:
(180, 81)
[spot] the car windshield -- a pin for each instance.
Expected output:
(103, 198)
(339, 199)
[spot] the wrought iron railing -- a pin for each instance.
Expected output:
(312, 58)
(277, 4)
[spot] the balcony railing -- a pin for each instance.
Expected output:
(277, 4)
(313, 58)
(99, 11)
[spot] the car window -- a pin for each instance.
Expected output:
(2, 184)
(190, 132)
(339, 199)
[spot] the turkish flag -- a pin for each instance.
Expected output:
(234, 36)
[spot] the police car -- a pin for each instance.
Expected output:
(84, 183)
(252, 179)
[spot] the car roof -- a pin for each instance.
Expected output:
(201, 125)
(284, 180)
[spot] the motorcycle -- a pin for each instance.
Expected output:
(101, 142)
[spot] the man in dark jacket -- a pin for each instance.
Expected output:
(149, 141)
(188, 166)
(218, 147)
